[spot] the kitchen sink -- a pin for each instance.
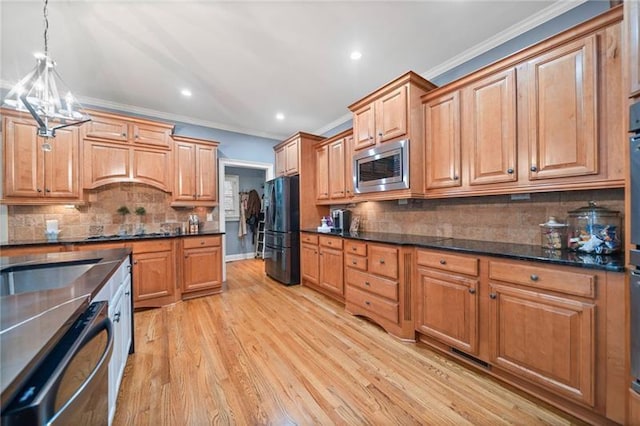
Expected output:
(38, 277)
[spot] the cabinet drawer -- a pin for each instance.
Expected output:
(332, 242)
(195, 242)
(383, 261)
(378, 307)
(356, 262)
(555, 279)
(355, 247)
(151, 246)
(448, 262)
(380, 286)
(309, 238)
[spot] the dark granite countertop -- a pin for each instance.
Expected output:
(613, 263)
(105, 238)
(32, 322)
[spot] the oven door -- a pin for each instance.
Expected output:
(383, 168)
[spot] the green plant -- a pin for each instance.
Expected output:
(123, 210)
(140, 211)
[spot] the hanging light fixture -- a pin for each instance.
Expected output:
(45, 96)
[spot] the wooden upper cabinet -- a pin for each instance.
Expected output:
(632, 18)
(288, 157)
(322, 172)
(364, 127)
(391, 115)
(31, 174)
(337, 169)
(489, 126)
(563, 107)
(442, 141)
(120, 129)
(195, 173)
(105, 163)
(382, 120)
(152, 167)
(281, 162)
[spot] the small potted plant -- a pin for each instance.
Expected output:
(123, 211)
(140, 212)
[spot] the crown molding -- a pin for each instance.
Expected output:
(335, 123)
(510, 33)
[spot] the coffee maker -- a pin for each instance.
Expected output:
(341, 220)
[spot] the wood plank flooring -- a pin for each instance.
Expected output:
(263, 353)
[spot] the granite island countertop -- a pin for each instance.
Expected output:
(612, 263)
(104, 238)
(32, 322)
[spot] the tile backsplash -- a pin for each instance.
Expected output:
(489, 218)
(99, 216)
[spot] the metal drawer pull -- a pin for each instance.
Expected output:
(354, 262)
(493, 295)
(472, 291)
(382, 261)
(367, 303)
(367, 283)
(534, 277)
(443, 262)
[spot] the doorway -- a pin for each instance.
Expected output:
(225, 167)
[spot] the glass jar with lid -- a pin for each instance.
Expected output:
(594, 229)
(553, 234)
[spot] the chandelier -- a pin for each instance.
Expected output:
(45, 96)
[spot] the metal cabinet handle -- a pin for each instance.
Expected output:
(47, 190)
(367, 303)
(534, 277)
(370, 137)
(380, 134)
(367, 283)
(39, 190)
(124, 134)
(534, 168)
(382, 261)
(126, 293)
(456, 177)
(135, 262)
(136, 136)
(472, 291)
(443, 262)
(493, 295)
(354, 248)
(510, 171)
(116, 317)
(354, 262)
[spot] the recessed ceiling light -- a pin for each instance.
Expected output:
(280, 116)
(355, 55)
(186, 92)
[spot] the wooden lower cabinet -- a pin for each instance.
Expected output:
(154, 282)
(544, 338)
(331, 274)
(201, 266)
(309, 257)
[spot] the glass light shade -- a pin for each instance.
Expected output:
(45, 96)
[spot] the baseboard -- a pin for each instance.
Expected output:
(240, 256)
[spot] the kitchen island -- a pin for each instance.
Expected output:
(33, 320)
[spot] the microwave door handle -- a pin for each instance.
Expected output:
(104, 324)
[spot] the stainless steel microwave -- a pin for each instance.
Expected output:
(382, 168)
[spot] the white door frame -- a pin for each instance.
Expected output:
(229, 162)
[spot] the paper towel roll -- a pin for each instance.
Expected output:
(52, 225)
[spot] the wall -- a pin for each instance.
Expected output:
(249, 179)
(99, 217)
(489, 218)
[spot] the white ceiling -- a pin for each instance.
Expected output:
(246, 61)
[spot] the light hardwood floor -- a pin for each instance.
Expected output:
(264, 353)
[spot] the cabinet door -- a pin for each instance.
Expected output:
(24, 159)
(442, 141)
(391, 115)
(348, 166)
(546, 339)
(105, 163)
(331, 270)
(447, 309)
(184, 186)
(632, 16)
(489, 128)
(106, 128)
(126, 318)
(149, 134)
(309, 262)
(364, 127)
(336, 169)
(322, 172)
(281, 162)
(563, 111)
(62, 164)
(153, 275)
(201, 269)
(292, 156)
(152, 167)
(206, 173)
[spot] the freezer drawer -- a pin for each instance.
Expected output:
(282, 263)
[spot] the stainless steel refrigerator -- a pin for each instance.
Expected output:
(282, 226)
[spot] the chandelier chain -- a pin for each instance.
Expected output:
(46, 28)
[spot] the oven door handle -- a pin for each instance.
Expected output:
(104, 324)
